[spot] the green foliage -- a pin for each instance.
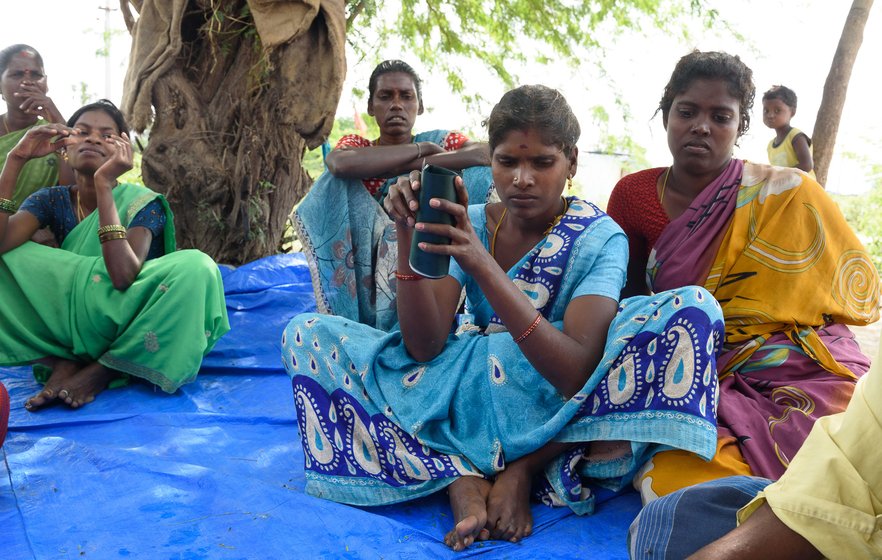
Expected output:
(864, 214)
(133, 175)
(618, 144)
(504, 35)
(313, 162)
(442, 33)
(82, 90)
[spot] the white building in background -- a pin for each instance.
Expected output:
(597, 175)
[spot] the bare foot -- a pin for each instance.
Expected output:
(62, 372)
(468, 499)
(508, 504)
(82, 388)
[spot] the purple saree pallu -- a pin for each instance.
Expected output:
(789, 273)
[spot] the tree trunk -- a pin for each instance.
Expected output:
(836, 86)
(232, 114)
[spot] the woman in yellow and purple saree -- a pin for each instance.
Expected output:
(778, 256)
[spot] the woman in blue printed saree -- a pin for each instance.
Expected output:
(93, 312)
(348, 239)
(551, 374)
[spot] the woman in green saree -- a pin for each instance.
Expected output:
(24, 88)
(103, 306)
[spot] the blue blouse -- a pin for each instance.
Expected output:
(53, 207)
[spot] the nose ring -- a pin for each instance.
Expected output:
(516, 179)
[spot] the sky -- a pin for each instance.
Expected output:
(788, 42)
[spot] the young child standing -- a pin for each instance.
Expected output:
(790, 147)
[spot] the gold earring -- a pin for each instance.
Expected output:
(569, 183)
(64, 155)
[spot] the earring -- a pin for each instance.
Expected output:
(64, 155)
(569, 183)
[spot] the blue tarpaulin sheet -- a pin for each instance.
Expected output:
(216, 469)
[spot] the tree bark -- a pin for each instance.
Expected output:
(836, 87)
(232, 115)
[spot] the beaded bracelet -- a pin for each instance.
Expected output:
(407, 277)
(529, 330)
(111, 236)
(419, 150)
(7, 206)
(112, 227)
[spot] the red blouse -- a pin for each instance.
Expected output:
(634, 205)
(453, 141)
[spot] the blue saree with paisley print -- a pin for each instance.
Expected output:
(350, 243)
(378, 427)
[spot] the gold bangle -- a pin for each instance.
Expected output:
(111, 236)
(529, 330)
(112, 227)
(7, 206)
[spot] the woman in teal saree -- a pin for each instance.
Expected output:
(115, 300)
(551, 376)
(349, 241)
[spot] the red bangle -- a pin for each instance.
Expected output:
(407, 277)
(529, 330)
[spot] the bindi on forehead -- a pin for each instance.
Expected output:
(524, 147)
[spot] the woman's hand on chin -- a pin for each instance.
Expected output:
(41, 141)
(119, 159)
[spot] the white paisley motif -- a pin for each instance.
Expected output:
(680, 371)
(413, 467)
(621, 381)
(413, 377)
(551, 246)
(536, 291)
(320, 447)
(497, 371)
(364, 450)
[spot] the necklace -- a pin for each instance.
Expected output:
(495, 231)
(661, 197)
(557, 218)
(551, 225)
(80, 213)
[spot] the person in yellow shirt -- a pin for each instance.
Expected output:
(827, 504)
(790, 147)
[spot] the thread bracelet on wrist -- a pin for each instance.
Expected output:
(407, 277)
(530, 329)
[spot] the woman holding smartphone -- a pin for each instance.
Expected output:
(548, 370)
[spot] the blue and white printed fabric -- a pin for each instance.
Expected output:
(350, 243)
(378, 427)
